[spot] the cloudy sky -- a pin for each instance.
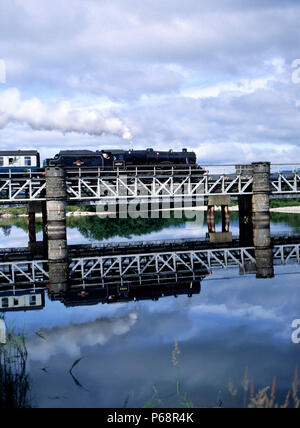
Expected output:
(215, 76)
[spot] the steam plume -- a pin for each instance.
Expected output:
(60, 117)
(72, 338)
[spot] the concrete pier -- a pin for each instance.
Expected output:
(245, 220)
(58, 279)
(36, 248)
(223, 201)
(31, 225)
(261, 220)
(211, 223)
(56, 204)
(225, 219)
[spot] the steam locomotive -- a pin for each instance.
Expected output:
(121, 159)
(24, 161)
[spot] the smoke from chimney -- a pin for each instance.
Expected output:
(60, 117)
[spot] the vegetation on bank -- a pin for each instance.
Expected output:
(246, 395)
(282, 203)
(15, 391)
(22, 211)
(105, 228)
(93, 227)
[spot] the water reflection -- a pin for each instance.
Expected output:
(234, 323)
(122, 327)
(91, 229)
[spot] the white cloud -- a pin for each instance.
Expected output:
(73, 338)
(251, 312)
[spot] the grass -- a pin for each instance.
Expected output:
(279, 203)
(244, 396)
(13, 211)
(14, 379)
(265, 398)
(18, 211)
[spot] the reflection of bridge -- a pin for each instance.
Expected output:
(129, 271)
(90, 280)
(130, 267)
(127, 266)
(112, 186)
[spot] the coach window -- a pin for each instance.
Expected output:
(32, 300)
(27, 161)
(1, 161)
(5, 302)
(11, 161)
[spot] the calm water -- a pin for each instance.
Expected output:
(92, 230)
(126, 349)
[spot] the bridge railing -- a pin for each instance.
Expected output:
(285, 168)
(152, 183)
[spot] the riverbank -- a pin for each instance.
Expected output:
(39, 215)
(7, 213)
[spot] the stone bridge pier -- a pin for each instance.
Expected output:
(34, 246)
(245, 220)
(223, 201)
(261, 220)
(56, 204)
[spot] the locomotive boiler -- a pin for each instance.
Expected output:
(121, 159)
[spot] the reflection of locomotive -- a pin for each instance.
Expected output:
(113, 159)
(95, 295)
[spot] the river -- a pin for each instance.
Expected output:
(175, 351)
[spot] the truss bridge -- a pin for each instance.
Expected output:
(156, 185)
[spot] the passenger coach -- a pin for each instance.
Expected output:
(19, 161)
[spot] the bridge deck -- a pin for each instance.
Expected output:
(175, 258)
(112, 186)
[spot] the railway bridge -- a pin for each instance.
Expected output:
(252, 185)
(120, 185)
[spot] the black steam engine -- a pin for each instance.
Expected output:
(121, 159)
